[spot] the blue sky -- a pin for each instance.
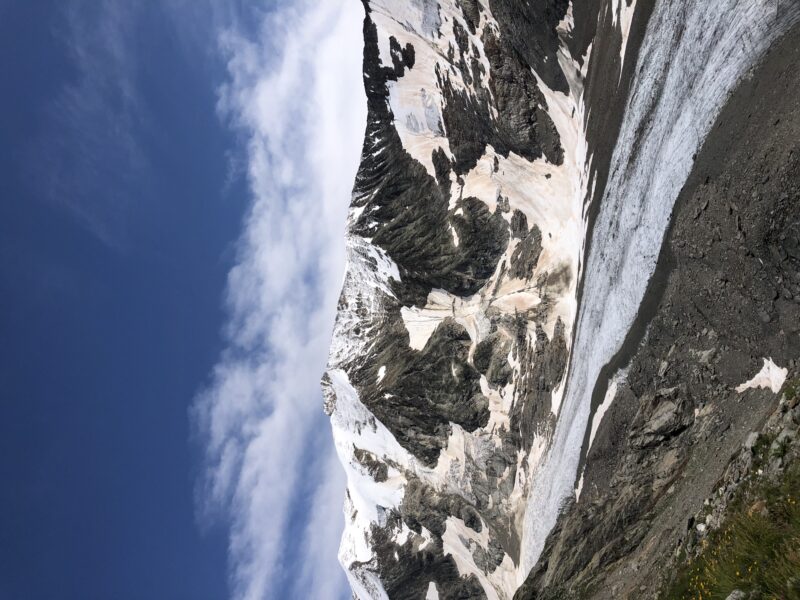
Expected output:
(174, 183)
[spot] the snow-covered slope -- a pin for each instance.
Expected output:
(464, 242)
(459, 381)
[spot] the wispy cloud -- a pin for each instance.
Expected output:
(90, 157)
(295, 95)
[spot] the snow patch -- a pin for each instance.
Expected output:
(427, 539)
(355, 426)
(422, 322)
(433, 593)
(415, 99)
(611, 393)
(771, 376)
(499, 405)
(579, 487)
(459, 540)
(557, 396)
(623, 17)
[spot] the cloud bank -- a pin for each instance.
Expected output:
(295, 95)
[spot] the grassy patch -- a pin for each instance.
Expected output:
(792, 389)
(756, 550)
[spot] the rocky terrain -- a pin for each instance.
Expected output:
(724, 298)
(743, 543)
(531, 393)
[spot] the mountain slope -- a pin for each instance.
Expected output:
(508, 143)
(725, 297)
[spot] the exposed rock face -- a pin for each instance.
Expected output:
(486, 159)
(673, 434)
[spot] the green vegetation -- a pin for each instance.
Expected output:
(757, 549)
(792, 390)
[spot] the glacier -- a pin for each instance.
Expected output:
(693, 56)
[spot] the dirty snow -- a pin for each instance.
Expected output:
(771, 377)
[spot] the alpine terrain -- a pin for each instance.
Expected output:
(568, 337)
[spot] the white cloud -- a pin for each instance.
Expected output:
(295, 94)
(89, 155)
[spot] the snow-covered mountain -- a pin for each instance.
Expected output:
(521, 166)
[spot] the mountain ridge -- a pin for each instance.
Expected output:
(490, 146)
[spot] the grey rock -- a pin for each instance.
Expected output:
(752, 440)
